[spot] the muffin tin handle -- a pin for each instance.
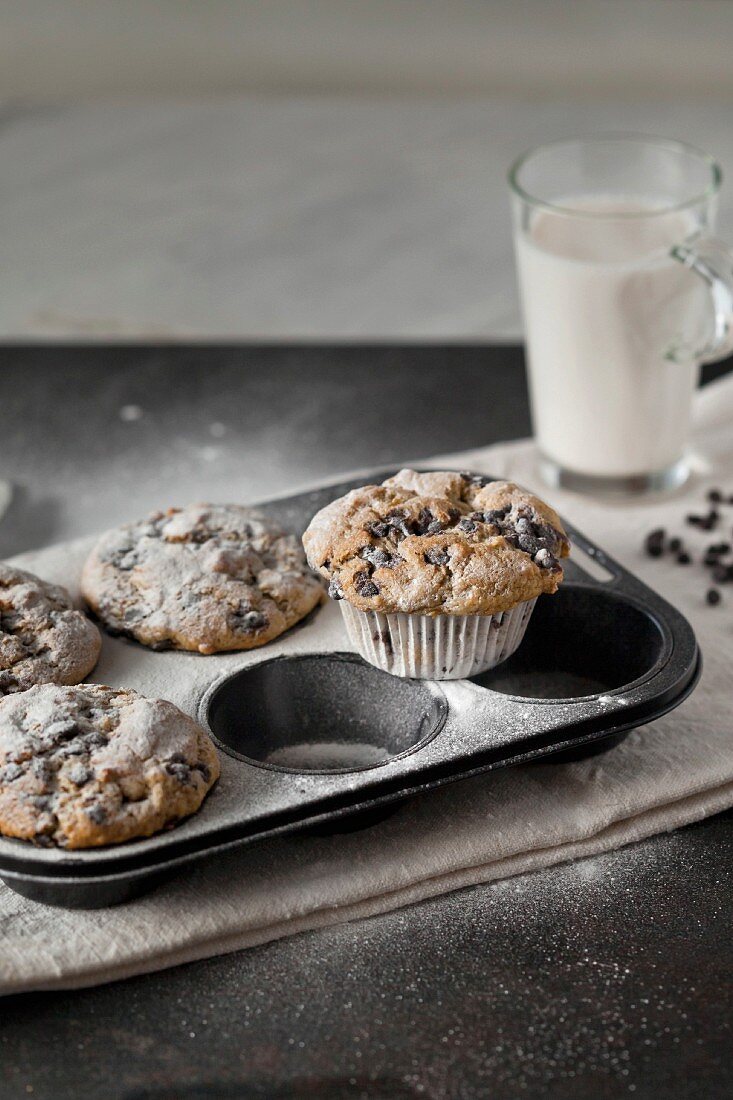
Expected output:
(590, 561)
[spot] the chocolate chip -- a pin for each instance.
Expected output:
(467, 525)
(712, 596)
(436, 556)
(683, 558)
(546, 560)
(675, 545)
(496, 515)
(365, 586)
(246, 618)
(722, 574)
(694, 520)
(95, 739)
(378, 529)
(42, 770)
(424, 519)
(79, 775)
(335, 590)
(97, 814)
(475, 479)
(399, 522)
(715, 496)
(376, 557)
(179, 771)
(205, 771)
(654, 543)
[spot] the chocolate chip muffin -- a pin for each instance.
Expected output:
(85, 766)
(207, 578)
(438, 572)
(43, 638)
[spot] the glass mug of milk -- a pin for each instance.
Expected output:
(624, 292)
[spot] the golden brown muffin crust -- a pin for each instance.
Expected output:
(437, 543)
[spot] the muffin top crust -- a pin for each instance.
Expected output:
(437, 543)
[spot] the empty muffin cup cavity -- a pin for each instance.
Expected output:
(321, 713)
(582, 641)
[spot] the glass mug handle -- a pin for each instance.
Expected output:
(712, 260)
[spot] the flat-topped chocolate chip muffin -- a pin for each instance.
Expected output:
(85, 766)
(435, 546)
(43, 638)
(208, 578)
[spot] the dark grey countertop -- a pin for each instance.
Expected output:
(602, 978)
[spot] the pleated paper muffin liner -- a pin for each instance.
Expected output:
(436, 647)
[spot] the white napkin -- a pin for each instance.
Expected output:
(674, 771)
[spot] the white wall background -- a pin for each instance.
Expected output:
(591, 48)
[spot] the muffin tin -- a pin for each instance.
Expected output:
(311, 736)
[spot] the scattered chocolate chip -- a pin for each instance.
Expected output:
(378, 529)
(683, 558)
(654, 543)
(205, 771)
(436, 556)
(675, 545)
(712, 596)
(722, 574)
(694, 520)
(715, 496)
(365, 586)
(97, 814)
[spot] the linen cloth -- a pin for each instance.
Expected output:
(665, 774)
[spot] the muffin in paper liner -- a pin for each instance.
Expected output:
(437, 572)
(436, 647)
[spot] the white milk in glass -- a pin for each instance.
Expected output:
(611, 320)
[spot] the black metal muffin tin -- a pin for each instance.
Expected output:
(311, 738)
